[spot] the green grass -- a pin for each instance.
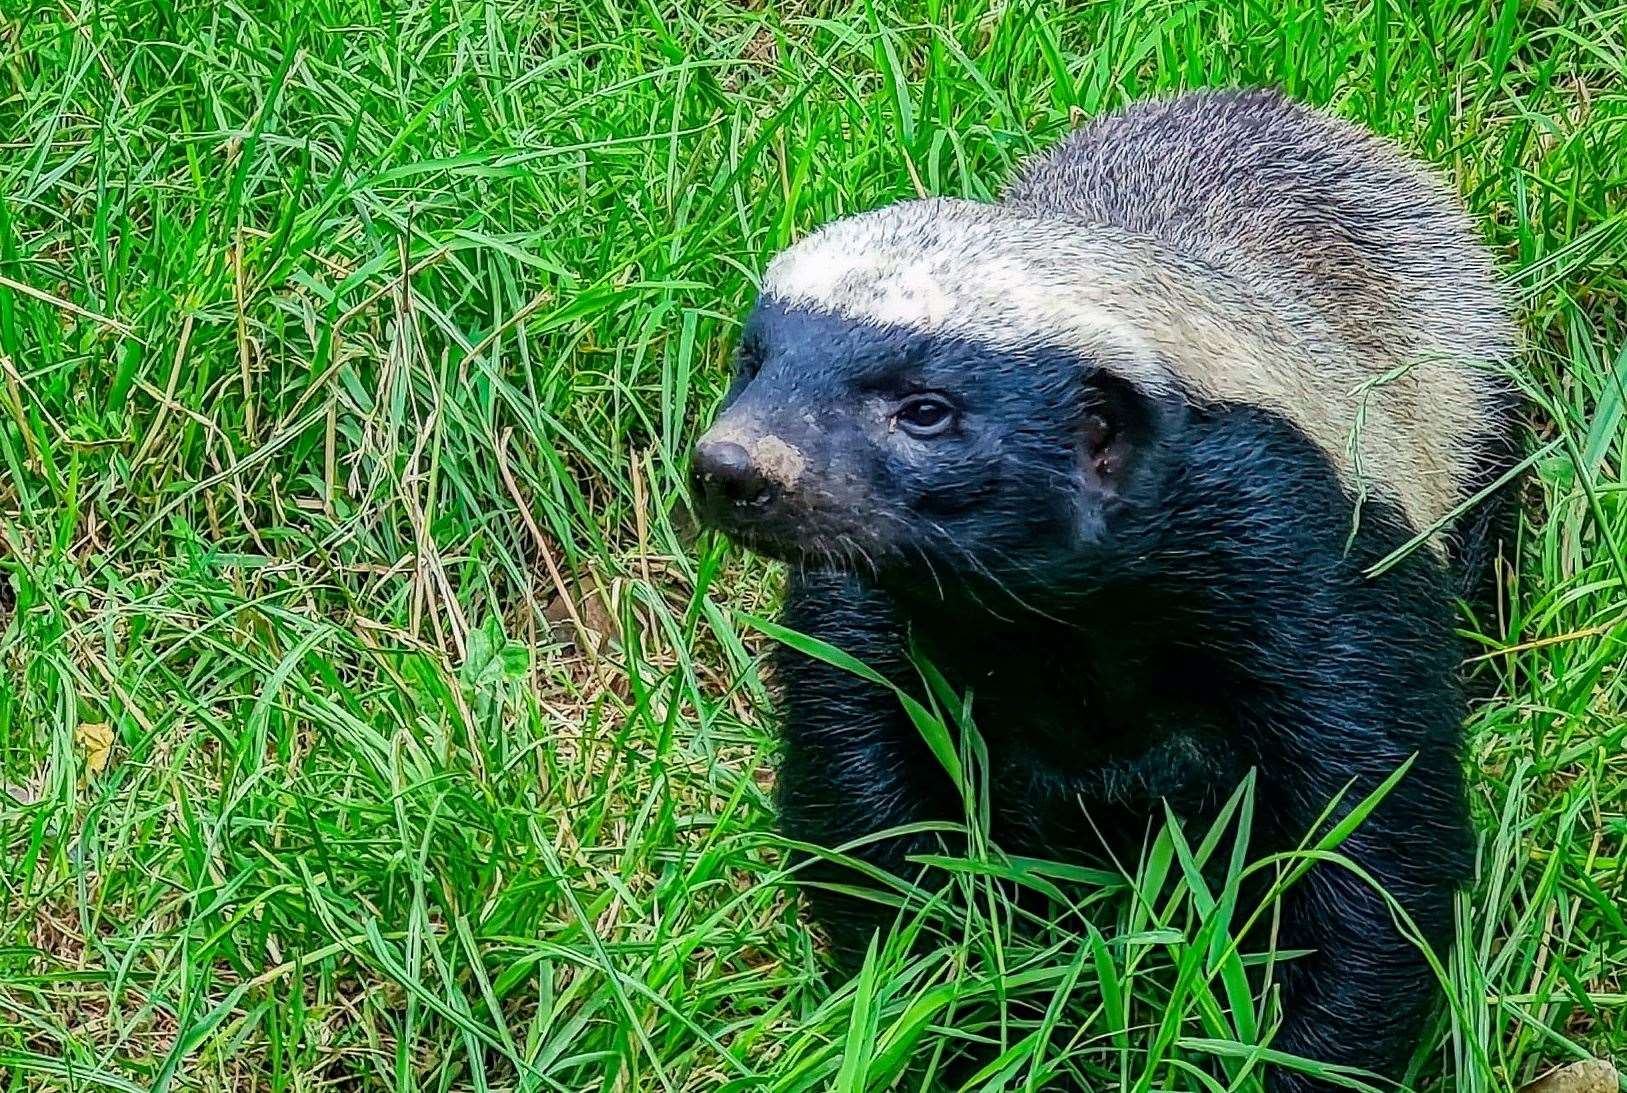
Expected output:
(349, 354)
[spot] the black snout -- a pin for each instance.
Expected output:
(723, 477)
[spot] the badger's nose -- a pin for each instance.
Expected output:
(724, 474)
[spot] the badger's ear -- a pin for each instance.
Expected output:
(1115, 426)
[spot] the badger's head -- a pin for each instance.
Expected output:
(926, 394)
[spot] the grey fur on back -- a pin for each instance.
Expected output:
(1296, 203)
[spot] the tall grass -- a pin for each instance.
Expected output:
(349, 354)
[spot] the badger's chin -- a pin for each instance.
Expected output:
(807, 546)
(768, 546)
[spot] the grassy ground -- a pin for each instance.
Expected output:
(368, 719)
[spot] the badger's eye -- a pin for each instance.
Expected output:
(925, 415)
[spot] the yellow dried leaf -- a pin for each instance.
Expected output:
(1587, 1076)
(95, 740)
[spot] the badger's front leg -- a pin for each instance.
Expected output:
(1362, 994)
(852, 763)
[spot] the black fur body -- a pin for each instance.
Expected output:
(1149, 589)
(1322, 681)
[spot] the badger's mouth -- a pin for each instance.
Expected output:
(781, 530)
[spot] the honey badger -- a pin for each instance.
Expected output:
(1115, 454)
